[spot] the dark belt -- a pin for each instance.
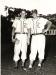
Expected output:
(20, 33)
(38, 34)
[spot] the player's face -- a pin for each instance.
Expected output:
(23, 14)
(34, 15)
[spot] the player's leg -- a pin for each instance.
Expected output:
(24, 49)
(41, 49)
(33, 50)
(17, 52)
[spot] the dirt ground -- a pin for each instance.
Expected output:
(48, 66)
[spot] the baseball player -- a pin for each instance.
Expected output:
(20, 31)
(37, 26)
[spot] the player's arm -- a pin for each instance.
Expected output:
(29, 34)
(13, 34)
(48, 25)
(13, 31)
(27, 25)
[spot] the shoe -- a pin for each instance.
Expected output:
(24, 68)
(39, 65)
(30, 67)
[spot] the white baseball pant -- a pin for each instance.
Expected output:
(20, 45)
(37, 45)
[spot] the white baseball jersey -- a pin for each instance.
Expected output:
(20, 26)
(36, 25)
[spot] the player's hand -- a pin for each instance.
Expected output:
(17, 41)
(13, 39)
(44, 31)
(28, 41)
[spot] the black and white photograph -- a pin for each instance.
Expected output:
(28, 37)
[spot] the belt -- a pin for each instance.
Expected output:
(20, 33)
(38, 34)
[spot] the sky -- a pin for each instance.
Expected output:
(43, 6)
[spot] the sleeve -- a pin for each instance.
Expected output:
(14, 23)
(42, 22)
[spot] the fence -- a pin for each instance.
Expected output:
(51, 32)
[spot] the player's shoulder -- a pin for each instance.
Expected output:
(43, 19)
(16, 19)
(29, 19)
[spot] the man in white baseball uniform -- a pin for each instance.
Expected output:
(20, 31)
(37, 25)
